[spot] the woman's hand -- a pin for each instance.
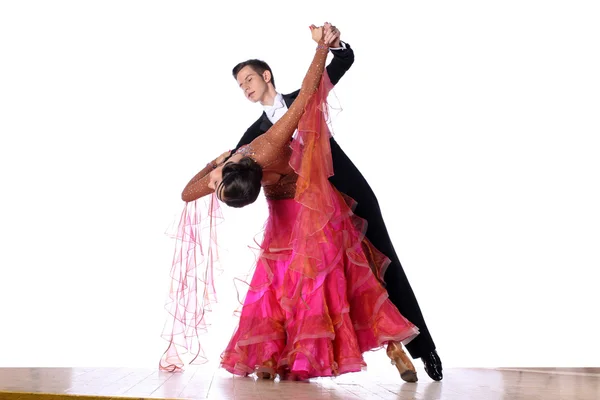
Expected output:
(317, 32)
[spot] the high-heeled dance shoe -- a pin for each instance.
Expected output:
(266, 371)
(402, 362)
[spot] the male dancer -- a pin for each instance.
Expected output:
(256, 80)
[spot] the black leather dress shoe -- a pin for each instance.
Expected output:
(433, 365)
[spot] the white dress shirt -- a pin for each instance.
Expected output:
(277, 110)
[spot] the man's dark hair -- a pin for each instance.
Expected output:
(258, 66)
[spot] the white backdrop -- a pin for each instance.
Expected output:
(475, 123)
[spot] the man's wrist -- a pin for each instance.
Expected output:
(341, 46)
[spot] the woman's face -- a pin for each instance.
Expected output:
(216, 175)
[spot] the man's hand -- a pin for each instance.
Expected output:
(332, 35)
(221, 159)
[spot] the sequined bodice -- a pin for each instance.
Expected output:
(284, 189)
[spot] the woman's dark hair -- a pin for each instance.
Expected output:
(240, 183)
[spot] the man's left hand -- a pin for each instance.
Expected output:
(332, 35)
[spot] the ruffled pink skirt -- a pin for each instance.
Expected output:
(318, 325)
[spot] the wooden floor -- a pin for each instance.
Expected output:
(382, 383)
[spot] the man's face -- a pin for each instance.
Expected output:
(252, 84)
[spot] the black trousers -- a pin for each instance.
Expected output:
(349, 180)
